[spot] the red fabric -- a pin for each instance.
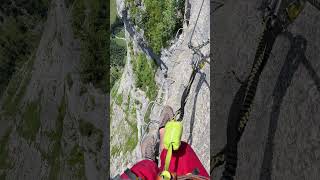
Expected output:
(183, 161)
(145, 169)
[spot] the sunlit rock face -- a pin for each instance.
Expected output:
(171, 78)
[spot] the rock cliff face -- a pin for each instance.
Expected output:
(281, 137)
(132, 109)
(52, 125)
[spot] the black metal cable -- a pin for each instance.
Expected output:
(185, 94)
(315, 3)
(196, 50)
(237, 124)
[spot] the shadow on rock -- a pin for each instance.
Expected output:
(199, 85)
(143, 45)
(295, 57)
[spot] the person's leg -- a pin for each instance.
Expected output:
(161, 132)
(146, 168)
(166, 115)
(184, 160)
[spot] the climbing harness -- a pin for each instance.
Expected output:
(278, 16)
(130, 174)
(189, 176)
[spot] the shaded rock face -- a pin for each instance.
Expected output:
(280, 140)
(171, 79)
(59, 128)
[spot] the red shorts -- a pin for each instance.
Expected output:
(183, 161)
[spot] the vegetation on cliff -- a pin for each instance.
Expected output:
(20, 30)
(91, 27)
(160, 20)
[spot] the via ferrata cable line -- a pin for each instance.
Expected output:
(279, 16)
(196, 66)
(174, 128)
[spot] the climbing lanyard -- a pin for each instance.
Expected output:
(236, 125)
(185, 95)
(186, 177)
(174, 128)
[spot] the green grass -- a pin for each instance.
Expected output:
(113, 11)
(121, 42)
(56, 137)
(132, 140)
(120, 50)
(116, 73)
(131, 134)
(115, 150)
(68, 3)
(147, 115)
(69, 80)
(93, 35)
(130, 118)
(160, 20)
(4, 163)
(130, 47)
(127, 109)
(76, 160)
(17, 88)
(89, 130)
(78, 15)
(76, 156)
(31, 121)
(121, 34)
(119, 99)
(118, 56)
(117, 46)
(3, 175)
(115, 88)
(19, 35)
(86, 128)
(144, 75)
